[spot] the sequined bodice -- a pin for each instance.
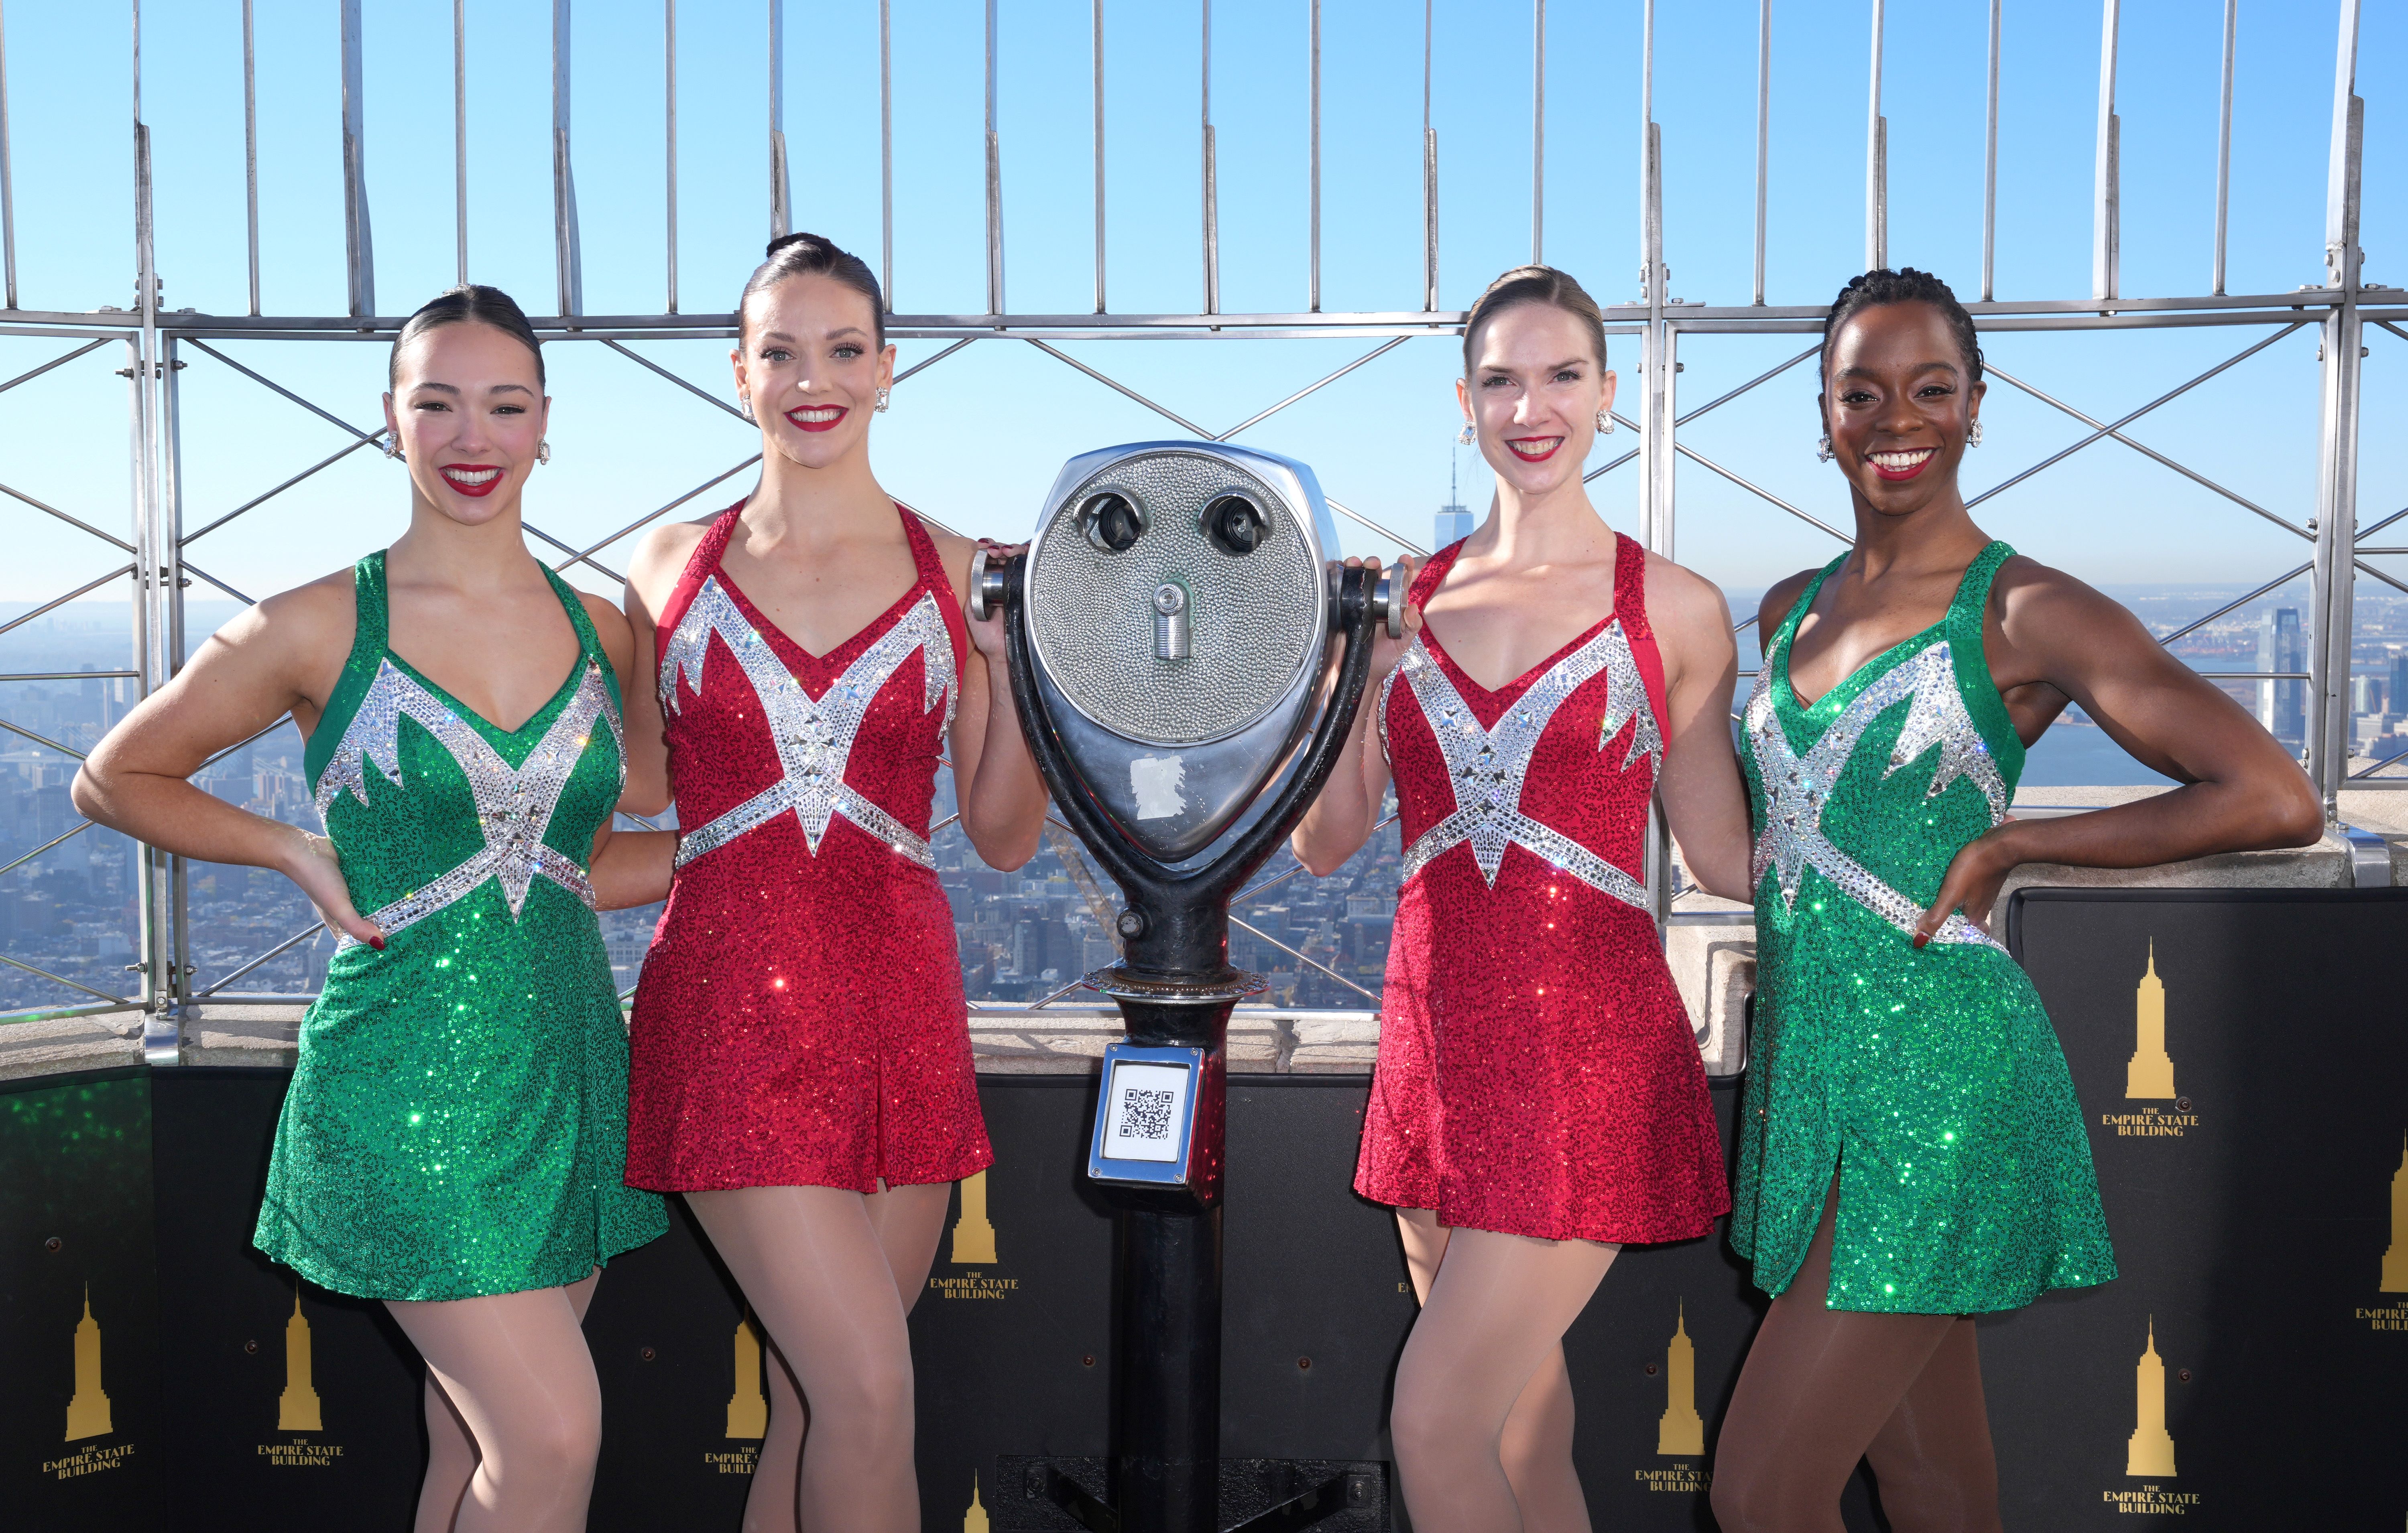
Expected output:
(767, 730)
(1478, 789)
(427, 815)
(1871, 791)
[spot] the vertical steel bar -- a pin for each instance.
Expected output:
(1876, 160)
(2224, 142)
(569, 268)
(1430, 169)
(459, 134)
(1312, 293)
(358, 248)
(250, 150)
(1763, 129)
(1537, 131)
(2105, 213)
(886, 151)
(781, 216)
(8, 183)
(1990, 170)
(1212, 181)
(2327, 721)
(161, 1028)
(994, 180)
(668, 150)
(1100, 154)
(170, 546)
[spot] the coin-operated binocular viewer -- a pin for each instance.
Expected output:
(1170, 629)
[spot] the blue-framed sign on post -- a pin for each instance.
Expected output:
(1145, 1117)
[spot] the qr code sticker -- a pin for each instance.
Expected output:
(1146, 1114)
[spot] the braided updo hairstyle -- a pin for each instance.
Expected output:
(815, 256)
(1905, 285)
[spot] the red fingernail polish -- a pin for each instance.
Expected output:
(1920, 939)
(377, 942)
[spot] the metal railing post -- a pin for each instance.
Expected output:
(358, 248)
(1877, 159)
(569, 266)
(162, 1028)
(171, 584)
(993, 179)
(781, 206)
(2337, 483)
(2106, 231)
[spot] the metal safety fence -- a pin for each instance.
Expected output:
(153, 561)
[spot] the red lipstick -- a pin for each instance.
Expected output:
(817, 417)
(1894, 472)
(1513, 444)
(478, 480)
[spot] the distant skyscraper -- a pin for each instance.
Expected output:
(2366, 694)
(1454, 522)
(2283, 705)
(2396, 693)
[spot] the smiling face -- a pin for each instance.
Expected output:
(1534, 392)
(468, 409)
(1898, 401)
(810, 365)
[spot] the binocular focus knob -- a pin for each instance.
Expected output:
(1387, 599)
(986, 587)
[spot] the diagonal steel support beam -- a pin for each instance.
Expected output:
(575, 557)
(1261, 416)
(71, 984)
(231, 976)
(281, 720)
(40, 739)
(650, 517)
(256, 501)
(2151, 452)
(1301, 958)
(1703, 461)
(22, 618)
(2188, 628)
(1389, 533)
(274, 387)
(55, 362)
(2169, 395)
(925, 362)
(1120, 388)
(77, 829)
(78, 524)
(687, 385)
(1282, 876)
(192, 569)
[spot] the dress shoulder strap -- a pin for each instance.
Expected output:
(1425, 584)
(1630, 587)
(373, 628)
(588, 638)
(924, 551)
(1780, 637)
(1974, 591)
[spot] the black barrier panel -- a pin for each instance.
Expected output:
(292, 1407)
(2242, 1065)
(79, 1296)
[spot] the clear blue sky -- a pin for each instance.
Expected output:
(975, 440)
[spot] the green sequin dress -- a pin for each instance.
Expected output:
(457, 1123)
(1930, 1081)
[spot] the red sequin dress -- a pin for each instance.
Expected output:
(801, 1020)
(1537, 1072)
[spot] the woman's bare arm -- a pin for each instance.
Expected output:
(652, 575)
(997, 786)
(283, 655)
(1704, 805)
(2241, 789)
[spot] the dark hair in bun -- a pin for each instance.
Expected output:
(815, 256)
(468, 302)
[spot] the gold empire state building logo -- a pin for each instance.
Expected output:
(88, 1410)
(1681, 1432)
(2151, 1073)
(2395, 1259)
(296, 1410)
(2151, 1453)
(973, 1237)
(748, 1409)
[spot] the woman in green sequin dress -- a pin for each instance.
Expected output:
(1911, 1153)
(452, 1140)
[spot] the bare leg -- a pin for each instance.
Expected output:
(812, 1262)
(1482, 1414)
(1821, 1387)
(451, 1451)
(514, 1373)
(908, 1220)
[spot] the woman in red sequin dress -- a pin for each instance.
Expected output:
(802, 1061)
(1539, 1098)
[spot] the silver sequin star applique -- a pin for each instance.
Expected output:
(1486, 767)
(514, 805)
(1797, 789)
(814, 738)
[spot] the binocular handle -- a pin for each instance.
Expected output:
(1386, 600)
(986, 587)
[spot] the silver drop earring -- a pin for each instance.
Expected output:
(542, 451)
(744, 408)
(1605, 422)
(1468, 436)
(393, 447)
(880, 406)
(1973, 436)
(1823, 449)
